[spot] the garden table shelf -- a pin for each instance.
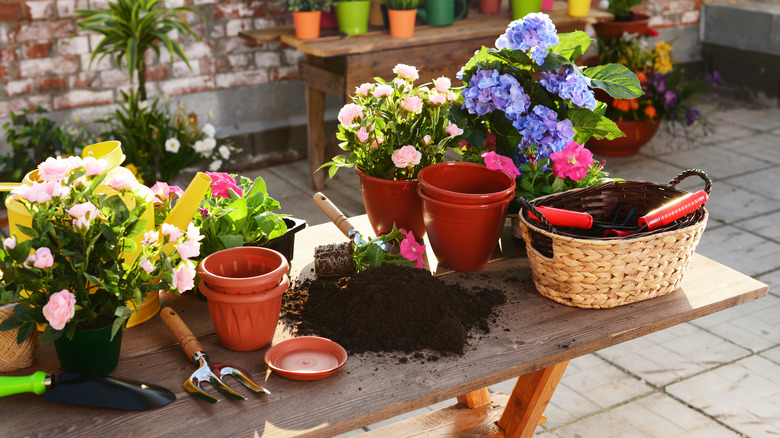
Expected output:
(532, 337)
(336, 64)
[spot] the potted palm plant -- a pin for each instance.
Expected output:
(307, 16)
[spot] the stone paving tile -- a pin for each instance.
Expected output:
(672, 354)
(772, 354)
(640, 169)
(745, 395)
(765, 119)
(721, 162)
(761, 146)
(754, 325)
(739, 250)
(765, 225)
(764, 182)
(397, 418)
(656, 415)
(771, 279)
(730, 203)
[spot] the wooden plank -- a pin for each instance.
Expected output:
(268, 35)
(315, 129)
(321, 79)
(529, 333)
(529, 399)
(476, 398)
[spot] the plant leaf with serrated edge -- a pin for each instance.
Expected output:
(615, 79)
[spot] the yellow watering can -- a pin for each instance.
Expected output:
(111, 151)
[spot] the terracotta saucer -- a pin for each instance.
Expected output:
(306, 358)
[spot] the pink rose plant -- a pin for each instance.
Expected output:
(407, 156)
(60, 309)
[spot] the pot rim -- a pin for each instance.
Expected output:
(464, 195)
(222, 297)
(390, 181)
(427, 198)
(217, 279)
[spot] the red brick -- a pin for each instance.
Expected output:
(4, 71)
(79, 98)
(22, 86)
(9, 52)
(37, 50)
(239, 10)
(43, 30)
(42, 66)
(10, 12)
(113, 78)
(175, 87)
(157, 72)
(197, 50)
(210, 66)
(227, 46)
(57, 83)
(81, 80)
(284, 73)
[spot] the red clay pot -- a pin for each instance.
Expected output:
(245, 322)
(638, 132)
(610, 30)
(243, 270)
(463, 236)
(389, 202)
(468, 183)
(489, 7)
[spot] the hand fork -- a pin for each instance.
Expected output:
(207, 371)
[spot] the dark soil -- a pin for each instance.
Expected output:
(390, 308)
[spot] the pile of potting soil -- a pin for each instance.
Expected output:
(390, 308)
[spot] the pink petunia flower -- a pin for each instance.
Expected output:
(348, 113)
(412, 104)
(382, 90)
(574, 161)
(221, 183)
(60, 309)
(193, 233)
(189, 249)
(407, 156)
(406, 72)
(411, 250)
(184, 277)
(146, 265)
(150, 238)
(494, 161)
(453, 130)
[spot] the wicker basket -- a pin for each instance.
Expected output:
(584, 269)
(15, 356)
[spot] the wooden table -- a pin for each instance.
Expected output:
(337, 64)
(533, 337)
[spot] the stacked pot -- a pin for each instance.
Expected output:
(464, 209)
(244, 288)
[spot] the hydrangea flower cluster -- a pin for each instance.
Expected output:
(543, 135)
(570, 85)
(534, 34)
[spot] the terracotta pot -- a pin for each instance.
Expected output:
(609, 30)
(463, 236)
(245, 322)
(468, 183)
(402, 22)
(638, 132)
(307, 24)
(389, 202)
(243, 270)
(489, 7)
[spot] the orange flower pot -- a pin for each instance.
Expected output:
(307, 24)
(243, 270)
(388, 202)
(402, 23)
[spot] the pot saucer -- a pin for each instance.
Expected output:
(306, 358)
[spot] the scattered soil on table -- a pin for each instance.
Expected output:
(390, 308)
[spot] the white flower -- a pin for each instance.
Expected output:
(215, 165)
(224, 151)
(172, 145)
(200, 147)
(209, 130)
(209, 144)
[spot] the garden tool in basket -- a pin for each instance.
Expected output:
(207, 371)
(335, 260)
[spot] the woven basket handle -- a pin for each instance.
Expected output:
(690, 172)
(528, 206)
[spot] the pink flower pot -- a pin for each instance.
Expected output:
(463, 236)
(245, 322)
(468, 183)
(243, 270)
(388, 202)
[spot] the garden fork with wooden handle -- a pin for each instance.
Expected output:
(207, 371)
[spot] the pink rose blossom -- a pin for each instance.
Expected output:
(383, 90)
(150, 238)
(189, 249)
(437, 98)
(574, 161)
(40, 192)
(42, 258)
(442, 84)
(406, 72)
(411, 250)
(426, 140)
(401, 84)
(55, 169)
(363, 89)
(221, 183)
(82, 215)
(9, 243)
(184, 277)
(60, 309)
(494, 161)
(349, 113)
(94, 166)
(172, 231)
(146, 265)
(453, 130)
(362, 134)
(407, 156)
(121, 181)
(412, 104)
(451, 96)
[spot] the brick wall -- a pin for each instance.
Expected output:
(44, 60)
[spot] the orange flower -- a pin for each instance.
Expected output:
(621, 104)
(633, 104)
(650, 111)
(641, 76)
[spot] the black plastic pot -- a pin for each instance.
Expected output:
(286, 242)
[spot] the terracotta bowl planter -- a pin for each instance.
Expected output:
(243, 270)
(468, 183)
(245, 322)
(463, 236)
(609, 30)
(638, 132)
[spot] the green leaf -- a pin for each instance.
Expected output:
(231, 240)
(615, 79)
(571, 45)
(587, 124)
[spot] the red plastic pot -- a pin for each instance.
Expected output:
(388, 202)
(243, 270)
(468, 183)
(245, 322)
(463, 236)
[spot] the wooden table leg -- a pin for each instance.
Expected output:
(476, 398)
(315, 128)
(529, 399)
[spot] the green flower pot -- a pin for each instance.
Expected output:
(90, 350)
(353, 16)
(521, 8)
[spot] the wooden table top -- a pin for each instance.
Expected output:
(531, 332)
(476, 25)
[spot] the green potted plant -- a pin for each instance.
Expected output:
(352, 16)
(307, 16)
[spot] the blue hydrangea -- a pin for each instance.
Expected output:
(570, 85)
(488, 91)
(533, 34)
(542, 128)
